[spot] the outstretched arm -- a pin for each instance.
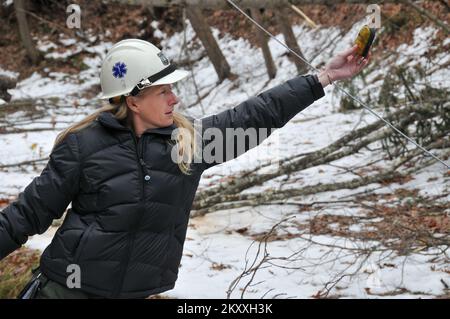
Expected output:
(223, 133)
(256, 117)
(43, 200)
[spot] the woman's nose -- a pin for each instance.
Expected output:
(173, 99)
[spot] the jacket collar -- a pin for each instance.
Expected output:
(107, 119)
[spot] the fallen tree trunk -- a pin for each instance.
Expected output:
(216, 197)
(221, 4)
(230, 201)
(251, 178)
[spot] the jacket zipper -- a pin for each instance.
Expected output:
(142, 169)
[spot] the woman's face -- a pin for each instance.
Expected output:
(154, 106)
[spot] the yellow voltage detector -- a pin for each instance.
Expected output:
(364, 40)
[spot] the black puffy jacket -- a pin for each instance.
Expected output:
(130, 201)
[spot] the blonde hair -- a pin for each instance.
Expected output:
(185, 141)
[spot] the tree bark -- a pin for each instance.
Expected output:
(24, 30)
(222, 4)
(5, 84)
(232, 201)
(429, 15)
(204, 33)
(338, 149)
(282, 19)
(263, 43)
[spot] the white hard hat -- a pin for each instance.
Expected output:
(132, 65)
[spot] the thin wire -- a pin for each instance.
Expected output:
(340, 88)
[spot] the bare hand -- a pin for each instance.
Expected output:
(343, 66)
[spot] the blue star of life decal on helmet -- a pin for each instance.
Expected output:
(119, 70)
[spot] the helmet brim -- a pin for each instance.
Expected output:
(173, 77)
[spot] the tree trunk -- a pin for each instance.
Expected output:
(212, 48)
(24, 30)
(223, 4)
(5, 84)
(429, 15)
(289, 37)
(263, 42)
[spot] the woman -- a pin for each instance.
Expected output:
(124, 233)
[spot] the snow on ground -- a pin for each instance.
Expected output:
(7, 73)
(219, 244)
(207, 247)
